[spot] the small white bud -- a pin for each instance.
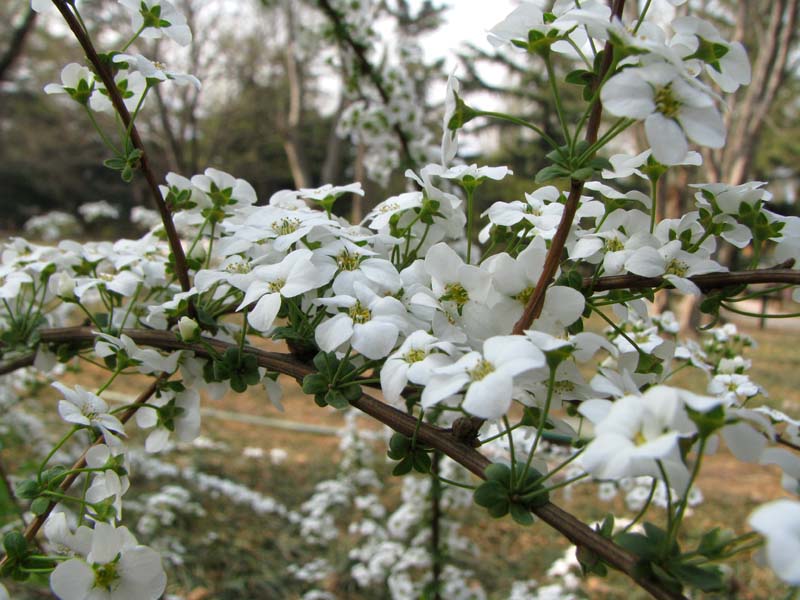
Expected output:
(188, 329)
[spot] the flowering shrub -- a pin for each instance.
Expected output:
(474, 332)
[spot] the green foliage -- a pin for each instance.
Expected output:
(501, 494)
(333, 384)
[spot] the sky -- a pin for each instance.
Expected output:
(465, 21)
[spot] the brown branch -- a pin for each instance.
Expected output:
(533, 308)
(342, 31)
(181, 268)
(35, 525)
(17, 43)
(437, 438)
(17, 363)
(708, 282)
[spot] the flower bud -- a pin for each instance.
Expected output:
(63, 285)
(188, 329)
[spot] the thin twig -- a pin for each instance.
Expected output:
(533, 308)
(181, 268)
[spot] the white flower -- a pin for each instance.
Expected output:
(671, 108)
(146, 360)
(413, 361)
(91, 211)
(329, 191)
(733, 387)
(41, 5)
(633, 433)
(294, 275)
(116, 567)
(81, 407)
(450, 136)
(674, 263)
(380, 215)
(517, 24)
(489, 375)
(158, 16)
(76, 80)
(178, 412)
(188, 328)
(130, 85)
(155, 70)
(729, 71)
(371, 323)
(107, 483)
(474, 172)
(779, 523)
(219, 184)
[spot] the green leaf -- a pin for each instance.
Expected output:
(582, 174)
(490, 493)
(638, 544)
(315, 384)
(500, 473)
(499, 510)
(580, 77)
(399, 445)
(336, 399)
(351, 392)
(28, 489)
(40, 505)
(708, 579)
(521, 514)
(550, 173)
(714, 541)
(15, 544)
(403, 467)
(421, 462)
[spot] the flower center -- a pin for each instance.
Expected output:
(535, 211)
(275, 286)
(239, 268)
(391, 206)
(677, 267)
(563, 387)
(105, 575)
(359, 313)
(481, 370)
(456, 293)
(525, 294)
(286, 226)
(666, 103)
(346, 261)
(614, 245)
(415, 355)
